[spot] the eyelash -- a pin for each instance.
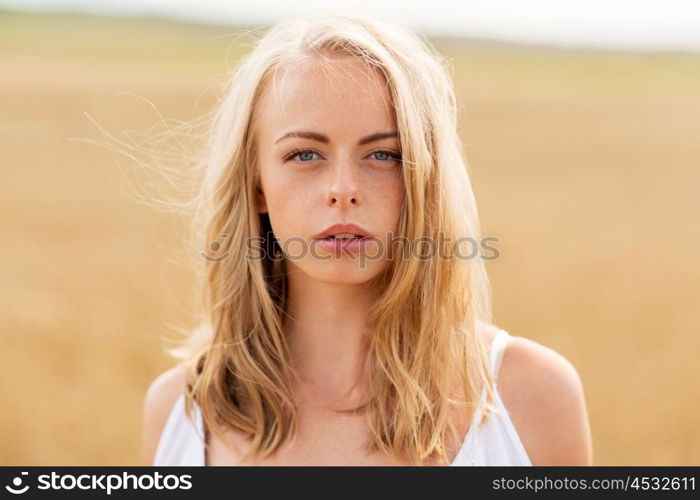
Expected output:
(393, 156)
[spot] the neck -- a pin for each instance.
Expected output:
(327, 328)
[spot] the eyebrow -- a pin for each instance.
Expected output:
(304, 134)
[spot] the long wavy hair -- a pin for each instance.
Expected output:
(425, 352)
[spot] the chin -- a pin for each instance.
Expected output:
(343, 271)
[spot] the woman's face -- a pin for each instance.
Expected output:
(329, 153)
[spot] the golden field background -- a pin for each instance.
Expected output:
(586, 167)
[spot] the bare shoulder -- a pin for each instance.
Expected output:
(160, 398)
(544, 395)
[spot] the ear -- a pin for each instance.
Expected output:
(260, 200)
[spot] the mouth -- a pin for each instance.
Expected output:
(346, 231)
(343, 242)
(344, 236)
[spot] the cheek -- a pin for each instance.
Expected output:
(286, 191)
(389, 194)
(285, 197)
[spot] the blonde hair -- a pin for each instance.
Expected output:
(425, 346)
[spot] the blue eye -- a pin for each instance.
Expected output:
(388, 156)
(299, 153)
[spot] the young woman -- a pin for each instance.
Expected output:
(347, 320)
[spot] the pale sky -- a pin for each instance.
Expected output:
(617, 24)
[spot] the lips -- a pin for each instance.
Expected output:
(343, 229)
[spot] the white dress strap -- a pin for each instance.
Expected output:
(498, 348)
(182, 441)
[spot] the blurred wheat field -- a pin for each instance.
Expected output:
(586, 167)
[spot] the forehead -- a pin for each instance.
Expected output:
(329, 95)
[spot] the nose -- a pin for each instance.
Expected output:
(343, 189)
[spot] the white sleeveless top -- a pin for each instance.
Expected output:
(495, 443)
